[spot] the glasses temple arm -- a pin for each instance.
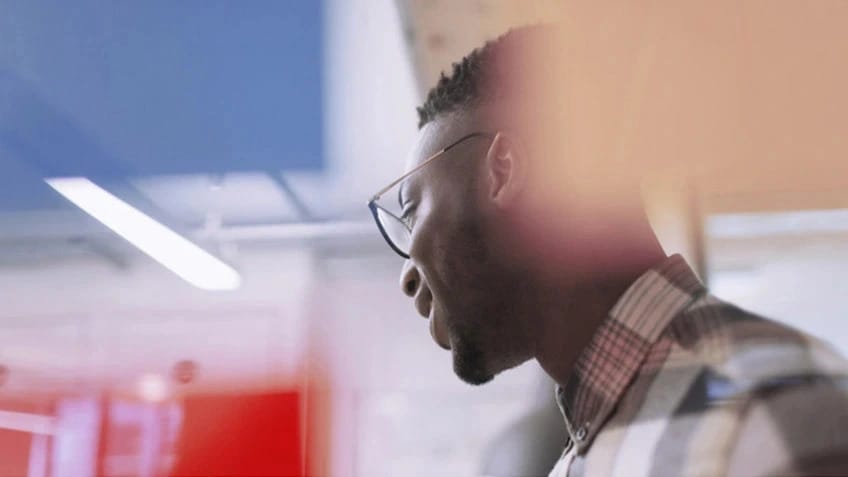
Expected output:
(427, 161)
(401, 178)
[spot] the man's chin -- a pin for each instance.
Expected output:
(471, 366)
(471, 370)
(475, 379)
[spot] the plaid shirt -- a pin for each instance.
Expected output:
(676, 383)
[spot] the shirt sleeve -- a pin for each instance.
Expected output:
(800, 429)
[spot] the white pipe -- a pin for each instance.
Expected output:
(32, 423)
(295, 231)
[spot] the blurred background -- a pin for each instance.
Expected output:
(191, 284)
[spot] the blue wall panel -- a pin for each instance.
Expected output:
(120, 88)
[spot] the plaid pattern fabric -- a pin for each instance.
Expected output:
(676, 382)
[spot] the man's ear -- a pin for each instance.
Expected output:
(506, 164)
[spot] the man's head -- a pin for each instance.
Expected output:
(490, 215)
(456, 274)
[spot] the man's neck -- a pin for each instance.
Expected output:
(571, 315)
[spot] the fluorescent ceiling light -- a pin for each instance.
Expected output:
(190, 262)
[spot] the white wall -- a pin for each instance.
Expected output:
(85, 324)
(796, 278)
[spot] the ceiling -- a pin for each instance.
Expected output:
(267, 115)
(134, 89)
(199, 114)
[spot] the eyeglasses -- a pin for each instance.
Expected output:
(393, 225)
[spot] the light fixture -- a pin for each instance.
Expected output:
(174, 252)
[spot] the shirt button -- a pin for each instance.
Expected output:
(580, 434)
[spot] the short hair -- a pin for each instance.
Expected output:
(487, 73)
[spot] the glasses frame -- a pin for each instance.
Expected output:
(372, 202)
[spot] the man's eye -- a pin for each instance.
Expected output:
(408, 217)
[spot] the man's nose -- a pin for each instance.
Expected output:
(410, 279)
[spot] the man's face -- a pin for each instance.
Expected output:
(454, 275)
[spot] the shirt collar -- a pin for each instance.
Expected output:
(619, 347)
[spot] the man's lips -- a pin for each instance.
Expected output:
(425, 306)
(424, 302)
(435, 331)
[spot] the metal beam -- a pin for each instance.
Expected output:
(287, 190)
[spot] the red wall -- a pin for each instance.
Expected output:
(257, 435)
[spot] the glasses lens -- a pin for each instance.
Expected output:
(396, 231)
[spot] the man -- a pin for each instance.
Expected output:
(521, 243)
